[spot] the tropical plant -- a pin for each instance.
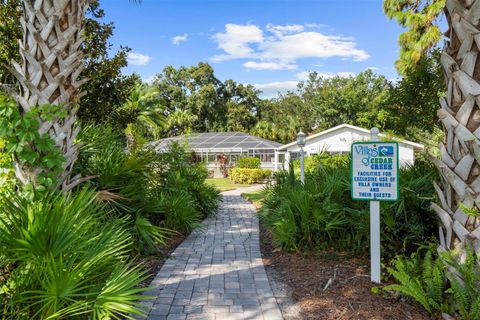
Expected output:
(6, 171)
(123, 182)
(147, 118)
(464, 285)
(457, 110)
(66, 259)
(423, 278)
(332, 218)
(179, 210)
(420, 278)
(222, 161)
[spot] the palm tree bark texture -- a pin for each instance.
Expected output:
(459, 190)
(49, 73)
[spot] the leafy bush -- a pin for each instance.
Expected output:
(124, 183)
(180, 211)
(190, 178)
(66, 258)
(323, 160)
(420, 278)
(248, 176)
(248, 163)
(146, 184)
(463, 296)
(424, 279)
(406, 222)
(298, 221)
(7, 179)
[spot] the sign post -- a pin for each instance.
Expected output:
(374, 177)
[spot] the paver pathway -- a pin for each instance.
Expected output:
(217, 272)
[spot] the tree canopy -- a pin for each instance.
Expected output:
(419, 18)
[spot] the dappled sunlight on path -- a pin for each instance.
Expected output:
(217, 272)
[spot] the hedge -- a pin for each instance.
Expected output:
(248, 163)
(248, 176)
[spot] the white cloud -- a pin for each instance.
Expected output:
(271, 89)
(303, 76)
(178, 39)
(312, 45)
(286, 29)
(269, 65)
(148, 80)
(236, 41)
(328, 75)
(280, 46)
(138, 59)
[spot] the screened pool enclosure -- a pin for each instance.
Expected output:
(233, 145)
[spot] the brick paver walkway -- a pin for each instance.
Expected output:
(217, 272)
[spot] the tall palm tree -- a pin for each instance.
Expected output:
(459, 165)
(49, 73)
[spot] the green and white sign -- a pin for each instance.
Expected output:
(374, 171)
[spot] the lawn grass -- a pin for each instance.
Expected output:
(256, 197)
(225, 184)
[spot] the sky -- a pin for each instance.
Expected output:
(271, 44)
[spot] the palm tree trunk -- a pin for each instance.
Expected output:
(459, 192)
(49, 73)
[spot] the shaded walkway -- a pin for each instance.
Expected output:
(217, 272)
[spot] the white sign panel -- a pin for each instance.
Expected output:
(374, 171)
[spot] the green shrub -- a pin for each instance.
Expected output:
(248, 176)
(424, 279)
(420, 278)
(323, 160)
(66, 258)
(406, 223)
(299, 222)
(191, 179)
(180, 212)
(248, 163)
(463, 295)
(7, 179)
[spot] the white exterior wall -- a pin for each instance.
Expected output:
(340, 141)
(407, 155)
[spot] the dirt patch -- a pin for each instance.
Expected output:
(349, 295)
(153, 263)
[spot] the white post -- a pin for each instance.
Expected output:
(276, 161)
(375, 229)
(302, 166)
(287, 160)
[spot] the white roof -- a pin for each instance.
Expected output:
(416, 146)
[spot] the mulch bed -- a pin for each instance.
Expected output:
(349, 296)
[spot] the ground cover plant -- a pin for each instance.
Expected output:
(423, 277)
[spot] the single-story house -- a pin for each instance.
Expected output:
(339, 139)
(274, 155)
(234, 145)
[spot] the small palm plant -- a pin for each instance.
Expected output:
(69, 258)
(147, 118)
